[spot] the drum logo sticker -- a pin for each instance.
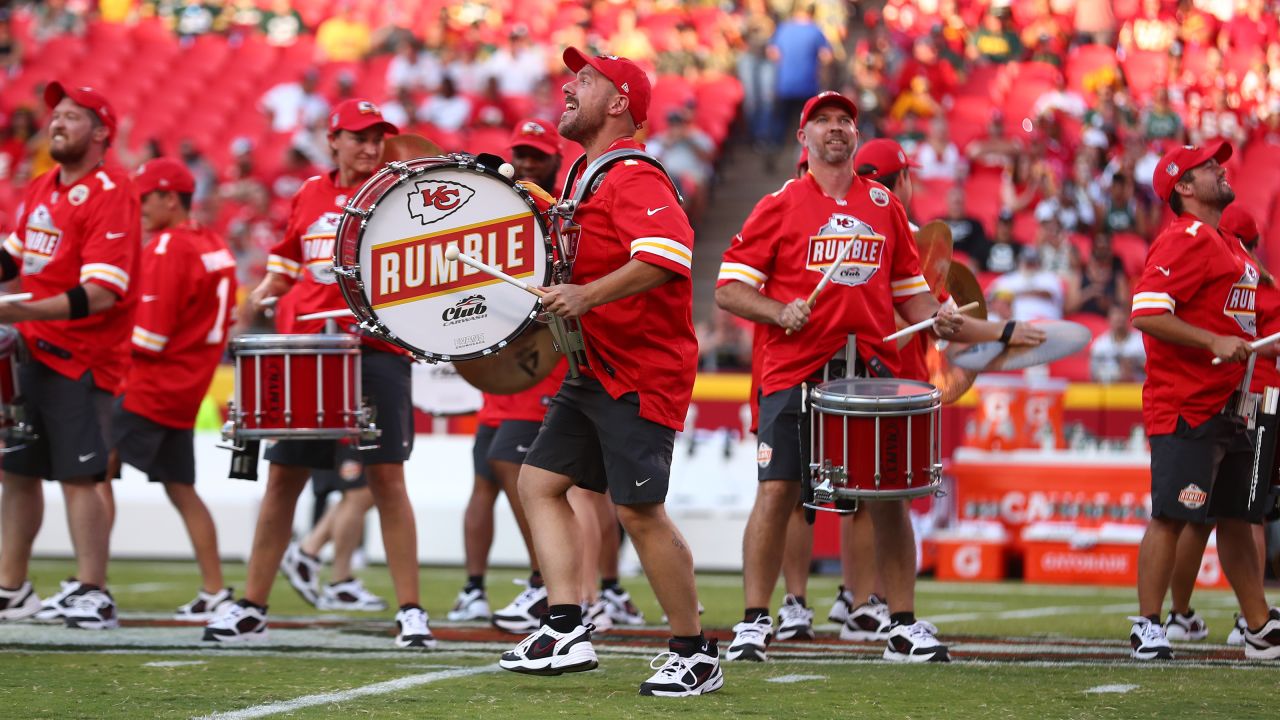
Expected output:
(1193, 497)
(1240, 301)
(435, 200)
(467, 309)
(861, 261)
(764, 455)
(41, 241)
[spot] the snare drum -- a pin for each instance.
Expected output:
(297, 387)
(875, 438)
(10, 344)
(391, 267)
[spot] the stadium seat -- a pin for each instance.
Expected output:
(1144, 71)
(929, 199)
(1085, 59)
(1132, 251)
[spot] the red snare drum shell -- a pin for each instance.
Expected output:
(297, 386)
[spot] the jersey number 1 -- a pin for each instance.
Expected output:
(219, 330)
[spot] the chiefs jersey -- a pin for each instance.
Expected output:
(185, 304)
(530, 405)
(1266, 370)
(1206, 281)
(88, 232)
(643, 343)
(785, 247)
(306, 255)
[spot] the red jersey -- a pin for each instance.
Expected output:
(644, 343)
(185, 305)
(306, 255)
(1266, 370)
(786, 245)
(1195, 273)
(89, 232)
(530, 405)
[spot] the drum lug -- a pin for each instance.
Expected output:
(399, 168)
(353, 210)
(351, 272)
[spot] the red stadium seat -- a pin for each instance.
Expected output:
(929, 199)
(1144, 71)
(1132, 251)
(982, 198)
(488, 140)
(1096, 323)
(1085, 59)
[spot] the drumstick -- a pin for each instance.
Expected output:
(16, 297)
(831, 271)
(268, 302)
(452, 253)
(926, 324)
(1255, 345)
(326, 314)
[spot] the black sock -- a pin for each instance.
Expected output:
(800, 599)
(609, 584)
(249, 604)
(86, 587)
(475, 582)
(410, 606)
(339, 582)
(1155, 618)
(754, 614)
(563, 618)
(903, 618)
(535, 579)
(686, 646)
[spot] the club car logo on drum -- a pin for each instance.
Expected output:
(1240, 302)
(467, 309)
(860, 263)
(435, 200)
(1193, 497)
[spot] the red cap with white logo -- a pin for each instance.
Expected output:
(85, 97)
(885, 156)
(624, 74)
(830, 97)
(163, 173)
(356, 115)
(537, 134)
(1175, 163)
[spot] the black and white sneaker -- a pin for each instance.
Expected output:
(350, 595)
(1148, 640)
(679, 676)
(524, 614)
(238, 622)
(795, 621)
(621, 610)
(205, 607)
(841, 608)
(303, 573)
(1236, 636)
(547, 652)
(1185, 628)
(597, 614)
(750, 639)
(18, 604)
(92, 610)
(55, 607)
(472, 604)
(915, 643)
(1264, 644)
(868, 622)
(413, 629)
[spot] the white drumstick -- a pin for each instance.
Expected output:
(831, 271)
(16, 297)
(452, 253)
(926, 324)
(326, 315)
(268, 302)
(1255, 345)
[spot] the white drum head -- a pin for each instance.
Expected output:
(438, 389)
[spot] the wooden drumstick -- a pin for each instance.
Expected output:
(831, 271)
(269, 302)
(326, 314)
(926, 324)
(452, 253)
(16, 297)
(1255, 345)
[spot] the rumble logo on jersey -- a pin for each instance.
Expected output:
(317, 247)
(435, 200)
(860, 263)
(1240, 301)
(41, 242)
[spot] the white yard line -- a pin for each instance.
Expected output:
(382, 688)
(786, 679)
(1033, 612)
(1121, 689)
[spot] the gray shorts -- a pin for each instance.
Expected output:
(480, 451)
(71, 419)
(165, 454)
(513, 440)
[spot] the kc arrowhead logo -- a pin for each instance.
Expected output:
(435, 200)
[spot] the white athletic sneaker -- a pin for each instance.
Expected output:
(915, 643)
(869, 622)
(547, 652)
(679, 676)
(1236, 636)
(55, 607)
(524, 614)
(472, 604)
(1264, 644)
(597, 614)
(1148, 640)
(350, 595)
(18, 604)
(303, 573)
(750, 639)
(1185, 628)
(205, 607)
(795, 621)
(621, 610)
(413, 629)
(92, 610)
(237, 623)
(842, 607)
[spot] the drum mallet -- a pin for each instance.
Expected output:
(16, 297)
(831, 271)
(452, 253)
(926, 324)
(326, 315)
(1255, 345)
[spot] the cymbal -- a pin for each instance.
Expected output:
(933, 241)
(964, 289)
(1063, 338)
(950, 380)
(523, 363)
(408, 146)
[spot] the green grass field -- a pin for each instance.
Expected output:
(1021, 651)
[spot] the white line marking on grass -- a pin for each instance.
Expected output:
(147, 587)
(1035, 612)
(1112, 689)
(173, 663)
(381, 688)
(796, 678)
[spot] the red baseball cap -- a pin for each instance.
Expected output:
(537, 134)
(883, 154)
(85, 97)
(624, 74)
(830, 97)
(355, 115)
(163, 173)
(1237, 221)
(1175, 163)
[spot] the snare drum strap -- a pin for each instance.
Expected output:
(244, 462)
(577, 193)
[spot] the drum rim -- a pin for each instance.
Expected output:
(844, 404)
(352, 288)
(294, 342)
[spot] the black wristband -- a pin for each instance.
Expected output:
(1007, 334)
(78, 297)
(8, 266)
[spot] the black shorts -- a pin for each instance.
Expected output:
(1202, 473)
(604, 444)
(513, 441)
(348, 474)
(387, 381)
(165, 454)
(480, 451)
(783, 449)
(71, 419)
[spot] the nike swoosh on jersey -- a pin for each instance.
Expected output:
(655, 211)
(638, 483)
(115, 236)
(1163, 270)
(150, 298)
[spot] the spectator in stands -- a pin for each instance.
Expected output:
(520, 65)
(1160, 121)
(968, 237)
(938, 158)
(56, 17)
(243, 178)
(915, 100)
(1154, 29)
(1217, 121)
(1103, 285)
(800, 52)
(295, 104)
(1061, 99)
(724, 343)
(447, 109)
(282, 24)
(1037, 293)
(15, 143)
(462, 63)
(1111, 114)
(999, 305)
(1119, 212)
(193, 18)
(243, 17)
(870, 89)
(10, 48)
(399, 109)
(293, 173)
(1249, 30)
(996, 149)
(490, 109)
(757, 74)
(1267, 129)
(1095, 22)
(688, 58)
(343, 37)
(996, 40)
(925, 62)
(628, 40)
(405, 70)
(1057, 254)
(206, 176)
(1003, 255)
(1070, 207)
(687, 153)
(1117, 355)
